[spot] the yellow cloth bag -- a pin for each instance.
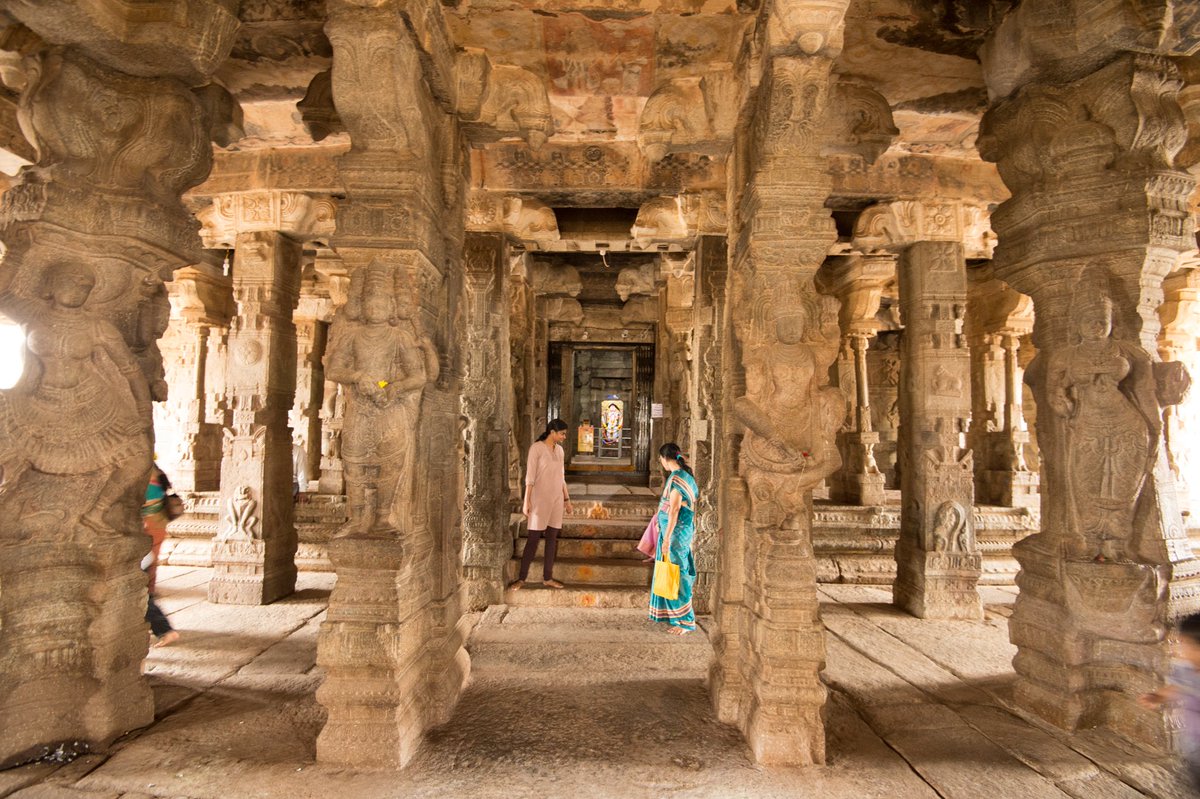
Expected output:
(666, 580)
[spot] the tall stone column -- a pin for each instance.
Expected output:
(937, 558)
(785, 415)
(311, 340)
(391, 645)
(188, 445)
(997, 319)
(1089, 143)
(858, 282)
(487, 392)
(254, 550)
(90, 234)
(708, 419)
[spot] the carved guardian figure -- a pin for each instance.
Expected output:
(377, 353)
(71, 413)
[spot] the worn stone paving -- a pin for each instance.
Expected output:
(597, 703)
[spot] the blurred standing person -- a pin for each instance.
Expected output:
(154, 522)
(546, 499)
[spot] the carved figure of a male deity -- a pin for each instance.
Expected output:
(1091, 385)
(378, 354)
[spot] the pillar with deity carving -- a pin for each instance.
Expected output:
(394, 351)
(769, 641)
(1089, 139)
(91, 232)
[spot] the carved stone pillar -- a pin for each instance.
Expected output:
(487, 543)
(188, 445)
(708, 419)
(1090, 150)
(90, 233)
(391, 645)
(937, 557)
(787, 336)
(254, 550)
(255, 546)
(858, 282)
(333, 399)
(311, 339)
(997, 319)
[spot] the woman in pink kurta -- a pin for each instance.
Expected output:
(546, 499)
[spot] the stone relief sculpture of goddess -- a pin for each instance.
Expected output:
(1107, 435)
(790, 421)
(82, 405)
(384, 363)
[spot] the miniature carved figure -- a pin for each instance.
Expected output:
(377, 353)
(950, 533)
(240, 522)
(1108, 439)
(70, 414)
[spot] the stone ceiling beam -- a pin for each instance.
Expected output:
(155, 38)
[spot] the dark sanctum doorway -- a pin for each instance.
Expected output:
(604, 394)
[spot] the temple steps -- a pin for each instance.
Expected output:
(590, 571)
(534, 595)
(577, 645)
(619, 549)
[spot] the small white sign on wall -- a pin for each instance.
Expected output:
(656, 411)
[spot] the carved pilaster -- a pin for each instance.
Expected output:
(937, 557)
(90, 234)
(997, 319)
(487, 542)
(1097, 219)
(254, 549)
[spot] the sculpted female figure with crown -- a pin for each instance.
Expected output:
(377, 352)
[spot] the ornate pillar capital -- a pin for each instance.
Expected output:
(296, 214)
(891, 227)
(858, 281)
(201, 296)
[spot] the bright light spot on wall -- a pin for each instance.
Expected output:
(12, 353)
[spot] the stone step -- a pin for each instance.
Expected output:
(534, 595)
(629, 529)
(604, 548)
(589, 571)
(581, 644)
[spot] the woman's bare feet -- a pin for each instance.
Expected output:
(553, 584)
(167, 638)
(516, 585)
(679, 631)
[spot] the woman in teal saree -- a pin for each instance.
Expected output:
(677, 529)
